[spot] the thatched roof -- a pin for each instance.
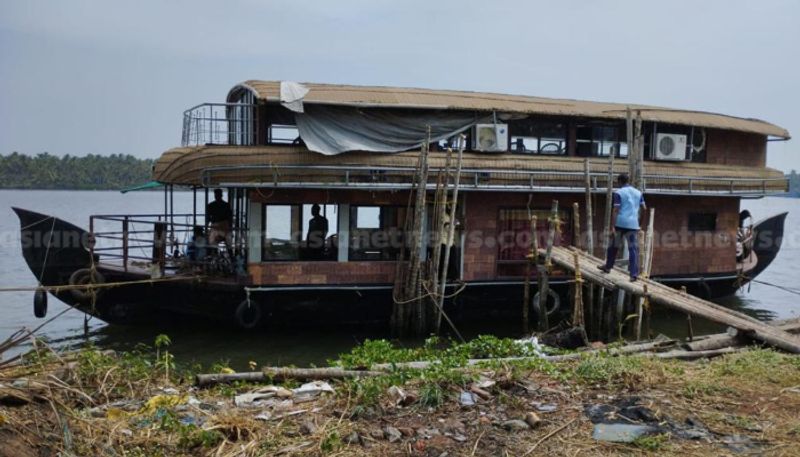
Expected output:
(396, 97)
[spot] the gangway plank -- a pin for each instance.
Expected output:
(666, 296)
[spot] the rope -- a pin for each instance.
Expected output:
(446, 317)
(57, 289)
(784, 288)
(47, 251)
(22, 229)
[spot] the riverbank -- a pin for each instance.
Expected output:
(138, 403)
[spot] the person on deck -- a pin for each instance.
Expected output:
(317, 233)
(625, 225)
(218, 218)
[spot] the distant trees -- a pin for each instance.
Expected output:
(794, 184)
(46, 171)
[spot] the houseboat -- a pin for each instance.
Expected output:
(289, 155)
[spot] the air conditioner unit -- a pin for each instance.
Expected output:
(670, 146)
(490, 137)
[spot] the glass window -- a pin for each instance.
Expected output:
(281, 232)
(300, 232)
(376, 232)
(531, 137)
(599, 140)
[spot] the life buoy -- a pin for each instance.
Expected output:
(550, 311)
(40, 303)
(248, 314)
(83, 277)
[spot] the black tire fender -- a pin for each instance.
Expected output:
(550, 311)
(82, 277)
(40, 303)
(248, 314)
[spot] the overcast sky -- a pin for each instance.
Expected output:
(86, 76)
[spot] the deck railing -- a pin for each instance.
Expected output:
(398, 177)
(231, 124)
(145, 241)
(219, 123)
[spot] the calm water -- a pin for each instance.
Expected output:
(211, 344)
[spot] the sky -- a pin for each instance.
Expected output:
(103, 77)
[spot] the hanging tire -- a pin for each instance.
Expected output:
(40, 303)
(556, 301)
(82, 277)
(248, 315)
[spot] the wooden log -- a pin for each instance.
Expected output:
(647, 261)
(694, 355)
(282, 373)
(278, 374)
(734, 337)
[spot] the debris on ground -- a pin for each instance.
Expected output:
(92, 403)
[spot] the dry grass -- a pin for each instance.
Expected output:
(72, 405)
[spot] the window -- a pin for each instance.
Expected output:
(539, 138)
(514, 240)
(300, 232)
(595, 140)
(702, 222)
(376, 232)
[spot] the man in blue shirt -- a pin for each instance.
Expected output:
(625, 225)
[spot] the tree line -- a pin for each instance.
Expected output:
(794, 184)
(95, 172)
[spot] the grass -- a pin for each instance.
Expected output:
(740, 393)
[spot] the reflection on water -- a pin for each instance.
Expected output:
(209, 343)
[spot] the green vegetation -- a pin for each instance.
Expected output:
(91, 172)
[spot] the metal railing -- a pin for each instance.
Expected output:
(399, 177)
(145, 240)
(219, 123)
(231, 124)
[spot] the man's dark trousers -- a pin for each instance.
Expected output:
(633, 249)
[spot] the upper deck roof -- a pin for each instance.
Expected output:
(397, 97)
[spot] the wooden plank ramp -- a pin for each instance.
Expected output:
(671, 298)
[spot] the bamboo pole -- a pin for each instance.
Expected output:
(529, 259)
(629, 133)
(591, 308)
(645, 273)
(452, 229)
(577, 311)
(606, 234)
(544, 270)
(734, 337)
(541, 317)
(440, 209)
(636, 178)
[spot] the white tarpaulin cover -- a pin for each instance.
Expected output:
(292, 94)
(332, 130)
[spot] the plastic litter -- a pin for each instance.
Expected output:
(620, 433)
(467, 398)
